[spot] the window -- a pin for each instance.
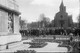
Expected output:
(61, 16)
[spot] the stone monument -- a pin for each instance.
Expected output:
(9, 23)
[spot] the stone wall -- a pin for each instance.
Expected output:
(9, 23)
(3, 22)
(16, 24)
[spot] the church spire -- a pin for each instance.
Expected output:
(62, 4)
(62, 7)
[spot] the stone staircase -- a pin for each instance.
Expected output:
(10, 45)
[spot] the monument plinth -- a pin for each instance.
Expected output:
(9, 23)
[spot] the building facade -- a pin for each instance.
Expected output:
(9, 23)
(62, 19)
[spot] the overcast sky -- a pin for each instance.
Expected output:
(31, 9)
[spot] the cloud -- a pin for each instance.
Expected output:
(74, 12)
(53, 2)
(32, 8)
(44, 2)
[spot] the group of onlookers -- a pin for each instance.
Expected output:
(38, 32)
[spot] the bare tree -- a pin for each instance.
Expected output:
(23, 24)
(79, 20)
(44, 21)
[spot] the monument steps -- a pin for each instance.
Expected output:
(10, 45)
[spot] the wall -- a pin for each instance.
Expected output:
(5, 36)
(65, 19)
(16, 24)
(3, 22)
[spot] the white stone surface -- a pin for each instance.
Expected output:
(16, 24)
(51, 47)
(10, 4)
(9, 38)
(3, 22)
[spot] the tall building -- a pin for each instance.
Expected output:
(62, 19)
(9, 23)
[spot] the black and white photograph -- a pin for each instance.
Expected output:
(39, 26)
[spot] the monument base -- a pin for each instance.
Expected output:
(9, 41)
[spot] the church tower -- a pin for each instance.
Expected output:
(62, 19)
(62, 7)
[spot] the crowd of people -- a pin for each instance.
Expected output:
(51, 31)
(72, 32)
